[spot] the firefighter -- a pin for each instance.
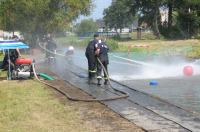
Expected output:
(69, 54)
(13, 55)
(51, 47)
(91, 57)
(70, 51)
(10, 58)
(102, 55)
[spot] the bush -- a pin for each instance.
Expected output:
(172, 33)
(86, 28)
(72, 40)
(194, 53)
(113, 45)
(197, 37)
(144, 35)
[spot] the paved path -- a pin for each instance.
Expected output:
(144, 110)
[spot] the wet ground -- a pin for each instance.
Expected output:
(146, 111)
(96, 117)
(167, 71)
(182, 91)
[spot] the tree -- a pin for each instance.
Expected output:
(189, 17)
(183, 16)
(37, 17)
(122, 12)
(119, 15)
(87, 25)
(170, 4)
(149, 13)
(183, 19)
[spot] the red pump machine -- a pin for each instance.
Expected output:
(23, 69)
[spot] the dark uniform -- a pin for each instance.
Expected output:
(103, 57)
(90, 54)
(51, 46)
(12, 56)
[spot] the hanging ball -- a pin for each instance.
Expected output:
(188, 70)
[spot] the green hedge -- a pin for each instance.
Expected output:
(194, 53)
(78, 42)
(113, 45)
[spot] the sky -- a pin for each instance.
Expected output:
(97, 12)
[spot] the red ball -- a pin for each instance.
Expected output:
(188, 70)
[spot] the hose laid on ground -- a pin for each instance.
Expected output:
(125, 95)
(46, 76)
(73, 98)
(107, 76)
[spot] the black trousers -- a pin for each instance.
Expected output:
(48, 54)
(100, 68)
(4, 62)
(92, 62)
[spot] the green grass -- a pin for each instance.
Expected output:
(189, 48)
(144, 35)
(28, 106)
(3, 74)
(194, 52)
(72, 40)
(75, 41)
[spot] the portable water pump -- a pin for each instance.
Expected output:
(23, 69)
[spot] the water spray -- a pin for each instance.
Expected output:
(154, 70)
(115, 91)
(134, 61)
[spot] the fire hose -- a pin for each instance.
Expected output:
(116, 91)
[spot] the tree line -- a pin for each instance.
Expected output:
(35, 18)
(183, 16)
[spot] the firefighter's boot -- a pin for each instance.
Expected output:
(99, 82)
(106, 82)
(91, 80)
